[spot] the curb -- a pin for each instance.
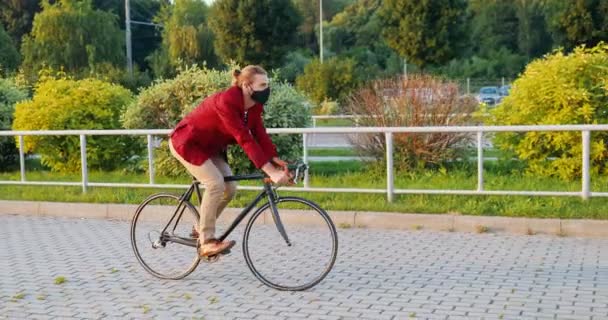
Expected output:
(342, 219)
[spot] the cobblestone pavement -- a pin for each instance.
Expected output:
(379, 274)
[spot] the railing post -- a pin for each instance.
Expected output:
(305, 158)
(479, 161)
(389, 166)
(21, 158)
(314, 122)
(83, 162)
(586, 192)
(151, 158)
(468, 85)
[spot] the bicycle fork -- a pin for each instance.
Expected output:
(275, 213)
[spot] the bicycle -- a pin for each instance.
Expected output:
(306, 231)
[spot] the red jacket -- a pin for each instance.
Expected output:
(219, 121)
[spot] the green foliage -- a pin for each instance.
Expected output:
(334, 79)
(426, 32)
(17, 17)
(577, 22)
(534, 38)
(187, 37)
(9, 56)
(295, 62)
(353, 33)
(72, 36)
(287, 108)
(145, 39)
(495, 25)
(254, 32)
(60, 104)
(503, 36)
(559, 89)
(497, 63)
(309, 11)
(166, 102)
(9, 95)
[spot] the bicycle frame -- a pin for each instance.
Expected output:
(268, 191)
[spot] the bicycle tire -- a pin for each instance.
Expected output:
(293, 230)
(190, 212)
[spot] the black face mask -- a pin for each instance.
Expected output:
(261, 96)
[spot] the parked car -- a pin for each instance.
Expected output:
(504, 90)
(489, 95)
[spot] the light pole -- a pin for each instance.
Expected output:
(321, 30)
(128, 37)
(128, 23)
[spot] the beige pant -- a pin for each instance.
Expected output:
(217, 193)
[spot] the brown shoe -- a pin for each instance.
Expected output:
(211, 247)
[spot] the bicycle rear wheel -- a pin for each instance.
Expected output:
(304, 263)
(170, 254)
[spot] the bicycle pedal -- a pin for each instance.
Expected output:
(211, 259)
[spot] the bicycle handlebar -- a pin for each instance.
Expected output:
(298, 169)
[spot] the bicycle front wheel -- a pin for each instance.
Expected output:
(162, 237)
(300, 263)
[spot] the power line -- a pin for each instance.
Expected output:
(128, 23)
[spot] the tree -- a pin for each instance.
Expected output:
(309, 11)
(425, 32)
(494, 25)
(9, 56)
(333, 79)
(354, 33)
(145, 39)
(254, 31)
(187, 38)
(576, 22)
(17, 17)
(72, 35)
(534, 38)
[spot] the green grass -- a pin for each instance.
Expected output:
(352, 174)
(332, 152)
(335, 122)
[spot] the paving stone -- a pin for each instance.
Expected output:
(379, 274)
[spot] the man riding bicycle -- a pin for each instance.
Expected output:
(200, 139)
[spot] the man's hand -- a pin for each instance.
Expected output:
(278, 162)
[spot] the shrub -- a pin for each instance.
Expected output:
(9, 95)
(334, 79)
(414, 102)
(558, 89)
(164, 104)
(328, 108)
(60, 104)
(295, 62)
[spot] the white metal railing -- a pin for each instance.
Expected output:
(355, 118)
(390, 190)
